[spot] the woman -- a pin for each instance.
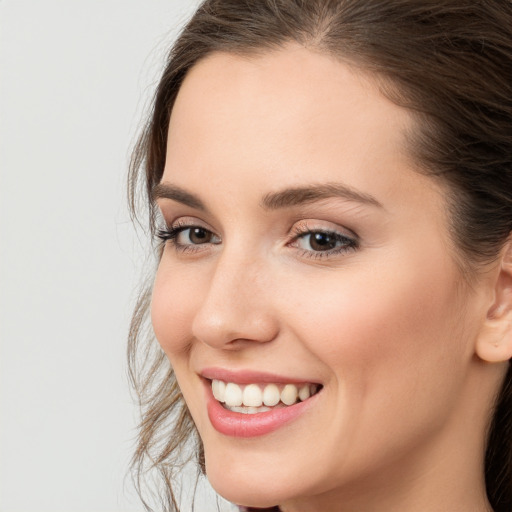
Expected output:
(332, 185)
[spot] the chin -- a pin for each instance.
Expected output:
(244, 484)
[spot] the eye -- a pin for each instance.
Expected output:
(186, 236)
(322, 243)
(194, 236)
(319, 241)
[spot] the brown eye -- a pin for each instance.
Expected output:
(322, 241)
(200, 236)
(194, 236)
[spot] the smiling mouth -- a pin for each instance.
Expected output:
(258, 398)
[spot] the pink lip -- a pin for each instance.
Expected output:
(236, 424)
(249, 377)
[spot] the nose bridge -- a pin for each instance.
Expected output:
(236, 305)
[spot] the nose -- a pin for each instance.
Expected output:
(236, 306)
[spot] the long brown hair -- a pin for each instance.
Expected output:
(450, 63)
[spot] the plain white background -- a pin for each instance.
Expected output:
(75, 76)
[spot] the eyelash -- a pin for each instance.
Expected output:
(301, 231)
(170, 235)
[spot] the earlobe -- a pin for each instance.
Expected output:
(494, 343)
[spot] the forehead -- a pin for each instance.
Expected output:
(282, 87)
(287, 117)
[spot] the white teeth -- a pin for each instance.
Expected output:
(218, 389)
(254, 398)
(289, 394)
(271, 395)
(233, 394)
(304, 392)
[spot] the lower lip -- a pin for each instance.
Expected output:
(236, 424)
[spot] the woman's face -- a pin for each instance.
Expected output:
(305, 250)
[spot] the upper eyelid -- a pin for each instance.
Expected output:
(300, 227)
(166, 212)
(305, 227)
(188, 222)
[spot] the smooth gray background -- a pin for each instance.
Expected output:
(75, 76)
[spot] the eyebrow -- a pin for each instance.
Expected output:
(308, 194)
(286, 198)
(168, 191)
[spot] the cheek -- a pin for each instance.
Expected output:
(173, 305)
(393, 351)
(392, 333)
(172, 308)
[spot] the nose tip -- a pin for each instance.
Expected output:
(236, 308)
(223, 329)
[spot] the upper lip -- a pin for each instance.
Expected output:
(251, 376)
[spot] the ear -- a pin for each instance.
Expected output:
(494, 343)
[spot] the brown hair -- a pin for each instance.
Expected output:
(450, 63)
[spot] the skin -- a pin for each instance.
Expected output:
(390, 328)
